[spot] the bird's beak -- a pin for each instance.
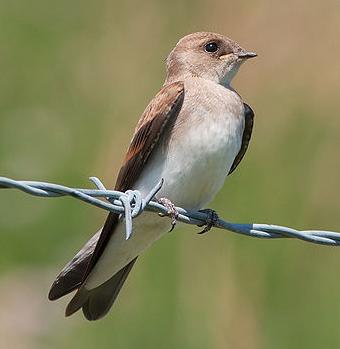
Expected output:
(246, 55)
(241, 55)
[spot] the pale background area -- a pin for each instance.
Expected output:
(75, 76)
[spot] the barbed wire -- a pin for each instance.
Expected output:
(131, 204)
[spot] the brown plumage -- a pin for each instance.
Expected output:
(248, 129)
(156, 118)
(189, 60)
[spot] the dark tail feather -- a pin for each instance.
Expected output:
(71, 277)
(98, 301)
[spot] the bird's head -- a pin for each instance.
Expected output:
(206, 55)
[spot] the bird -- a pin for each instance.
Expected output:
(192, 135)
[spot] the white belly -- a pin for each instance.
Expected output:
(200, 162)
(194, 166)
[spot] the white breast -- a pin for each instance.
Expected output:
(206, 139)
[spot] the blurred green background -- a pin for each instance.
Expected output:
(75, 76)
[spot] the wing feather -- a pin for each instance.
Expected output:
(157, 117)
(248, 128)
(163, 109)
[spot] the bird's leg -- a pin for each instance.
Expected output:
(172, 211)
(212, 219)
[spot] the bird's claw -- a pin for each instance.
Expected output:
(172, 211)
(212, 219)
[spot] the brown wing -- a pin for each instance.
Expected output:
(248, 128)
(157, 117)
(163, 109)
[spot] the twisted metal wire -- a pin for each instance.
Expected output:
(131, 204)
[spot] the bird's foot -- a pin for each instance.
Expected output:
(172, 211)
(212, 219)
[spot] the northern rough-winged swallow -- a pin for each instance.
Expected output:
(192, 134)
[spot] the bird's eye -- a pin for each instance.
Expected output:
(211, 47)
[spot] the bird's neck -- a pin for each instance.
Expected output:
(171, 78)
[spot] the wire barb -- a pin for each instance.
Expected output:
(131, 204)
